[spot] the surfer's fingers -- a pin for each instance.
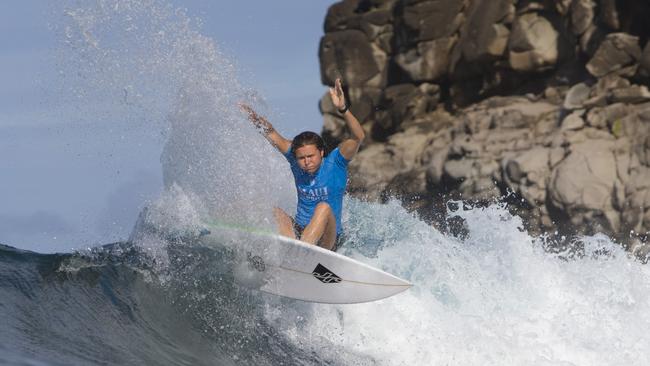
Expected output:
(339, 88)
(245, 107)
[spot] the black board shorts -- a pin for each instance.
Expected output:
(297, 230)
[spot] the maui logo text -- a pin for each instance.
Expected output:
(315, 194)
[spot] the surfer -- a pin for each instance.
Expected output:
(320, 180)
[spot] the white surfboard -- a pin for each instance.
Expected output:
(287, 267)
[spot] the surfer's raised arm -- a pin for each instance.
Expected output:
(350, 146)
(266, 128)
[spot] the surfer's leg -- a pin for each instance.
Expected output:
(321, 228)
(285, 223)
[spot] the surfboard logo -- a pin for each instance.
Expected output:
(256, 262)
(324, 275)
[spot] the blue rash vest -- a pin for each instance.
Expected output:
(326, 185)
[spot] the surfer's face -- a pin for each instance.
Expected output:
(309, 158)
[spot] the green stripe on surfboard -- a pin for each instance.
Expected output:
(233, 226)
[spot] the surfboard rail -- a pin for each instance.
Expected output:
(288, 267)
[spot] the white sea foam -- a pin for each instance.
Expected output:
(494, 298)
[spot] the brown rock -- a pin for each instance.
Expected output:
(586, 134)
(395, 103)
(518, 112)
(546, 124)
(378, 23)
(582, 185)
(552, 95)
(341, 16)
(533, 43)
(428, 61)
(374, 31)
(573, 121)
(563, 6)
(596, 101)
(528, 167)
(481, 35)
(637, 203)
(374, 168)
(602, 118)
(408, 146)
(609, 14)
(379, 17)
(556, 155)
(582, 15)
(381, 78)
(591, 39)
(490, 44)
(575, 151)
(427, 20)
(363, 101)
(496, 41)
(644, 65)
(334, 129)
(434, 161)
(633, 94)
(407, 186)
(325, 104)
(349, 55)
(410, 103)
(379, 164)
(480, 189)
(465, 146)
(351, 14)
(609, 82)
(489, 168)
(623, 161)
(459, 169)
(385, 42)
(617, 52)
(576, 96)
(427, 98)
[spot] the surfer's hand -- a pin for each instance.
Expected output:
(337, 95)
(257, 120)
(248, 110)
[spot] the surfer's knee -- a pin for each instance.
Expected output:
(323, 206)
(284, 222)
(279, 213)
(281, 217)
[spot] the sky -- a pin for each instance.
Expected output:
(66, 182)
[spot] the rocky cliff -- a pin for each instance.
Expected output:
(543, 104)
